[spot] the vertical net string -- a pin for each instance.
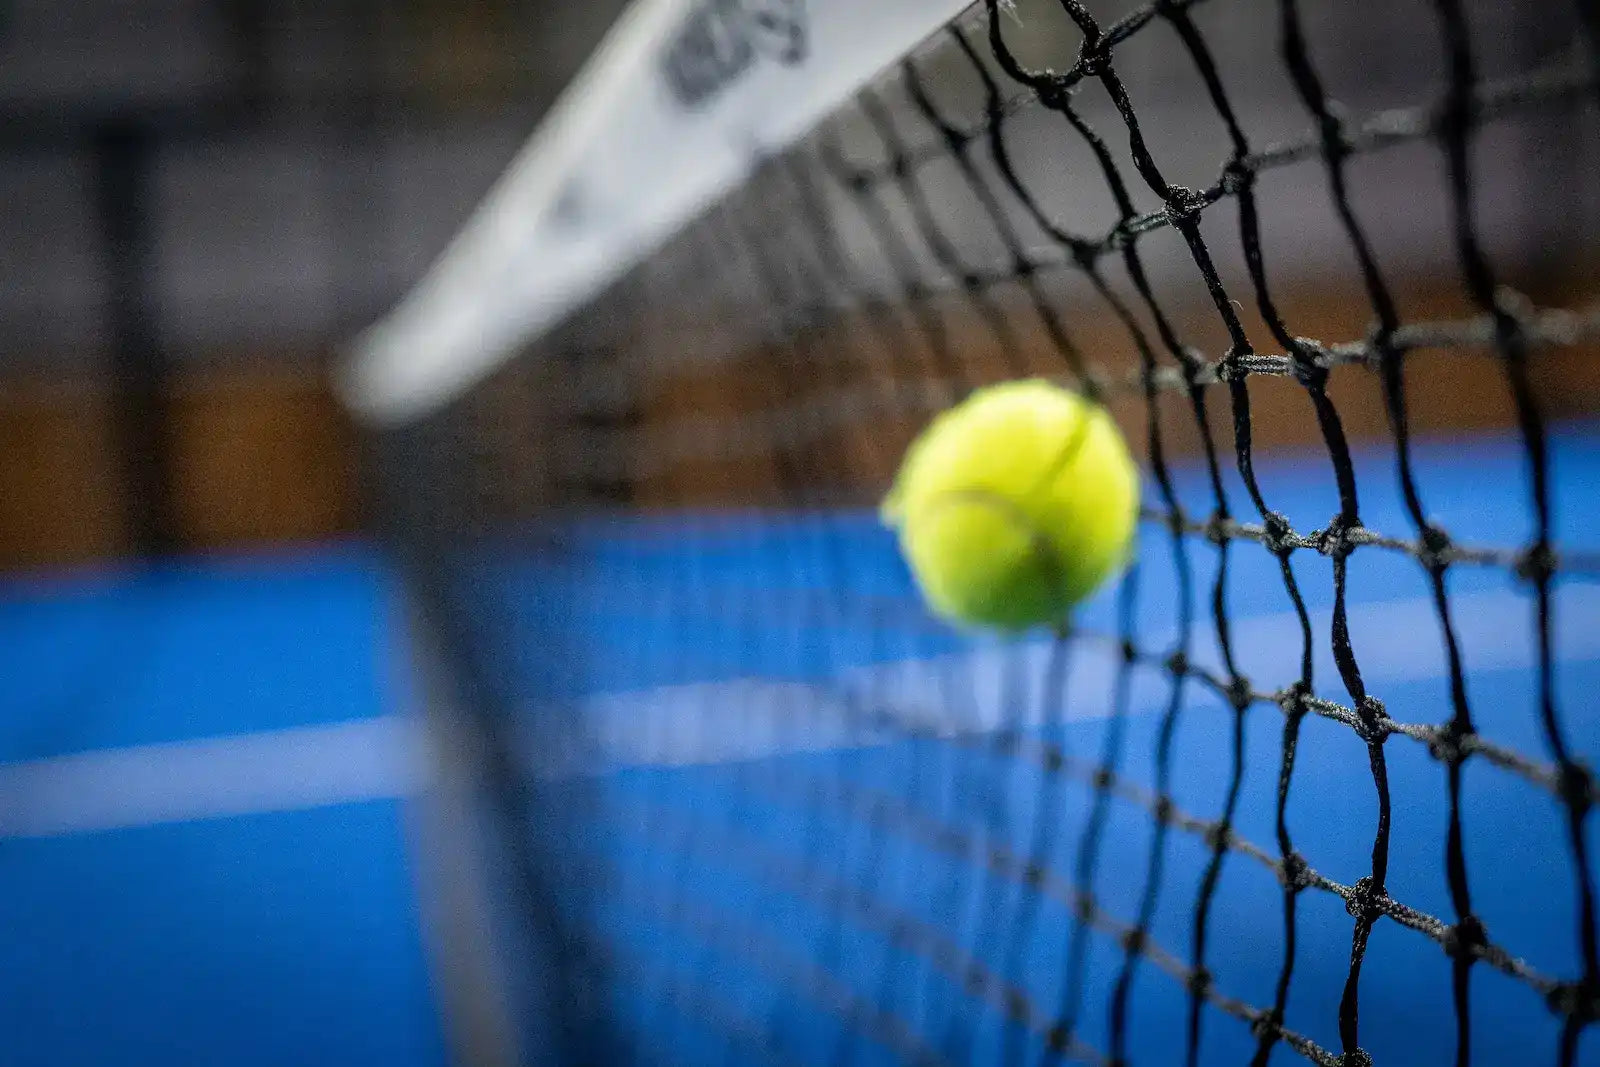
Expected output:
(823, 241)
(1053, 692)
(795, 288)
(1478, 276)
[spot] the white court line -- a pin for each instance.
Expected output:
(385, 758)
(1395, 642)
(276, 770)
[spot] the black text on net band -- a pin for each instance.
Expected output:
(845, 227)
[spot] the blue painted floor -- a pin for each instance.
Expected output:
(268, 937)
(280, 925)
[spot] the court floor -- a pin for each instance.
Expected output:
(204, 852)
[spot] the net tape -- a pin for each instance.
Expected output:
(810, 282)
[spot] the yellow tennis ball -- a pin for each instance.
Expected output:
(1014, 505)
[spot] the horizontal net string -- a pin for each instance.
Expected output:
(657, 447)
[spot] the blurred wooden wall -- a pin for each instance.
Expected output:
(258, 457)
(1448, 390)
(266, 456)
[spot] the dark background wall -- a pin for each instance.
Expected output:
(200, 199)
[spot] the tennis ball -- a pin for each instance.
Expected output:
(1014, 505)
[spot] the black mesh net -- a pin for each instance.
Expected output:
(1281, 794)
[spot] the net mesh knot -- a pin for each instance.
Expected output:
(1294, 873)
(1092, 384)
(1292, 699)
(858, 182)
(955, 138)
(1307, 364)
(1085, 254)
(1372, 723)
(1219, 528)
(1330, 126)
(1364, 901)
(1511, 311)
(1276, 534)
(1054, 91)
(1338, 539)
(1183, 204)
(1237, 176)
(1198, 982)
(1381, 346)
(1356, 1057)
(1464, 939)
(1161, 811)
(1094, 59)
(1120, 237)
(1578, 1000)
(1266, 1024)
(1134, 941)
(1449, 743)
(1575, 783)
(1231, 367)
(1537, 563)
(1433, 548)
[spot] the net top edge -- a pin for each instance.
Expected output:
(680, 102)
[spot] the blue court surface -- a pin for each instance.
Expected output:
(204, 858)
